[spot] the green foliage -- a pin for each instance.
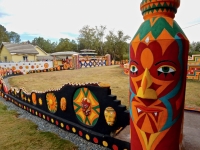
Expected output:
(194, 48)
(89, 38)
(3, 34)
(14, 37)
(6, 36)
(116, 45)
(46, 45)
(92, 38)
(66, 45)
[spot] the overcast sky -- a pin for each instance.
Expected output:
(54, 19)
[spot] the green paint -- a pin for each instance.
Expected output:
(157, 28)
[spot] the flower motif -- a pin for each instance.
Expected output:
(46, 65)
(63, 104)
(13, 68)
(34, 98)
(51, 102)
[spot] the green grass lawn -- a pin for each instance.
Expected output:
(21, 134)
(113, 75)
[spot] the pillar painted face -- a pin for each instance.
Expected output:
(155, 82)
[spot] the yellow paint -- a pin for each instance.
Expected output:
(4, 52)
(87, 137)
(105, 143)
(43, 116)
(40, 51)
(52, 120)
(62, 125)
(148, 144)
(73, 130)
(144, 91)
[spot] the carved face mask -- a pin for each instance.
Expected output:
(155, 82)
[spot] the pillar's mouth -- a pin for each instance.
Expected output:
(155, 8)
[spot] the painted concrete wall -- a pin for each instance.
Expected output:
(5, 53)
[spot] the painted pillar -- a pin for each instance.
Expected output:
(75, 60)
(158, 60)
(108, 59)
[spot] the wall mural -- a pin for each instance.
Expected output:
(157, 78)
(88, 110)
(86, 106)
(193, 67)
(92, 63)
(24, 67)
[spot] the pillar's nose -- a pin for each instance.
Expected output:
(144, 90)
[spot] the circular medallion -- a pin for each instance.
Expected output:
(86, 106)
(51, 102)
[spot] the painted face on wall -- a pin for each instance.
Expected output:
(86, 106)
(155, 74)
(110, 116)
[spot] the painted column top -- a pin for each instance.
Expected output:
(155, 8)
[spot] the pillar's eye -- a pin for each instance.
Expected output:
(133, 69)
(166, 70)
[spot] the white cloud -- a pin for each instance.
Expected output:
(50, 18)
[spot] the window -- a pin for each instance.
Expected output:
(5, 58)
(25, 58)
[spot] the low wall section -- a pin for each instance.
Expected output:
(88, 110)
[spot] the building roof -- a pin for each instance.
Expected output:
(88, 53)
(66, 53)
(21, 48)
(43, 58)
(87, 50)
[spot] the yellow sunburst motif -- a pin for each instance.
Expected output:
(51, 102)
(89, 114)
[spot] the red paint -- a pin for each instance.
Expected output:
(95, 140)
(67, 127)
(80, 133)
(115, 147)
(57, 122)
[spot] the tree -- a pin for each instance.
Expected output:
(99, 35)
(46, 45)
(63, 45)
(194, 48)
(3, 34)
(87, 37)
(116, 45)
(14, 37)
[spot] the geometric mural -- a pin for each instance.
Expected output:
(86, 106)
(193, 68)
